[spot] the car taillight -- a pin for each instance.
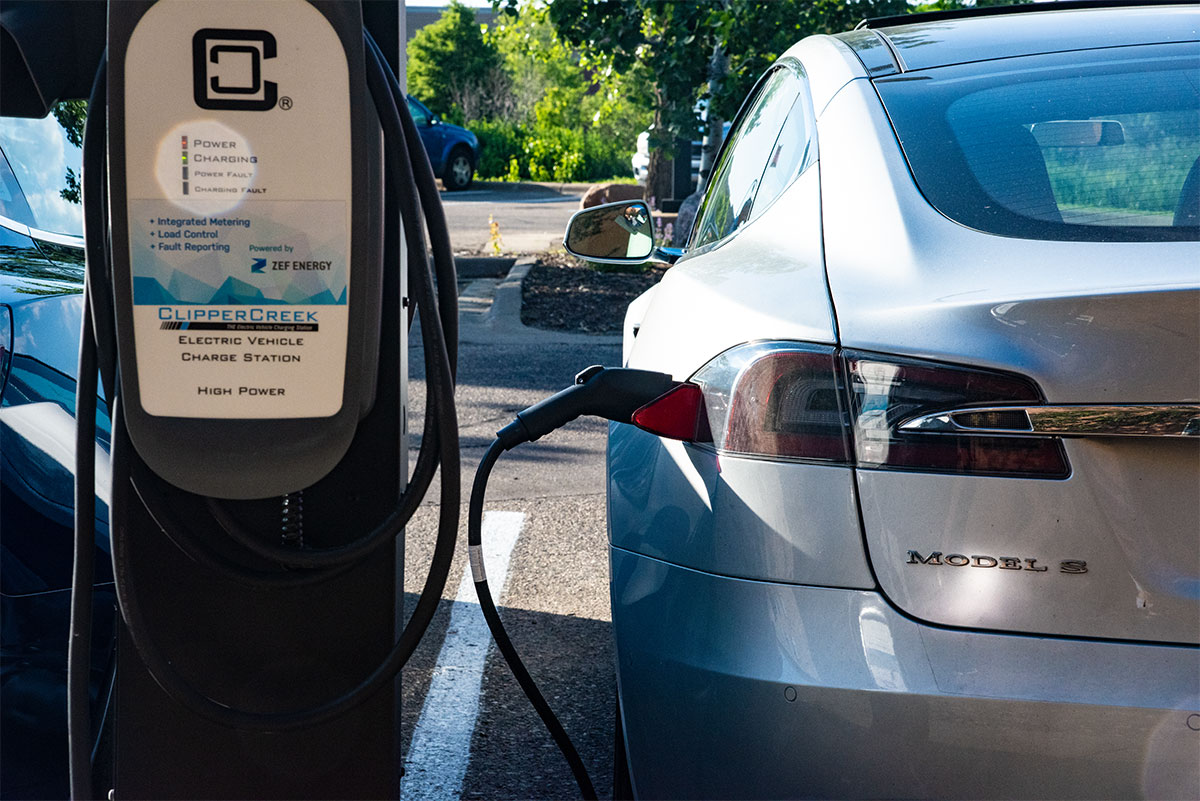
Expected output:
(887, 391)
(780, 400)
(800, 402)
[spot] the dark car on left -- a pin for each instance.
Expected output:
(41, 302)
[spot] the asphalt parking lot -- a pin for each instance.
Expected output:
(531, 217)
(468, 732)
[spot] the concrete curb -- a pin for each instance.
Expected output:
(517, 186)
(501, 323)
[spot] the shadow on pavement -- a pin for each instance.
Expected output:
(512, 754)
(492, 191)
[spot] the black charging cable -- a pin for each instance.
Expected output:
(79, 651)
(611, 393)
(410, 187)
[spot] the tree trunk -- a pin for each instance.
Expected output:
(659, 175)
(718, 68)
(660, 178)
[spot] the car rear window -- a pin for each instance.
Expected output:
(1089, 145)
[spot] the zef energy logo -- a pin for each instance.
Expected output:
(227, 66)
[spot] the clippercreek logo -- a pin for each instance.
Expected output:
(227, 69)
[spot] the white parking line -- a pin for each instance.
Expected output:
(441, 742)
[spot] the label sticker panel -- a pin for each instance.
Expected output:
(250, 336)
(238, 175)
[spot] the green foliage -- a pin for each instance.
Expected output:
(555, 153)
(755, 33)
(954, 5)
(547, 152)
(451, 65)
(589, 75)
(566, 120)
(499, 144)
(561, 106)
(686, 52)
(604, 156)
(667, 44)
(535, 61)
(71, 115)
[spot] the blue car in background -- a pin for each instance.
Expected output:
(451, 148)
(41, 302)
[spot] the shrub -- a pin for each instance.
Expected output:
(555, 154)
(546, 152)
(450, 61)
(604, 156)
(500, 143)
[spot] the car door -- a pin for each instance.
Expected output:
(432, 134)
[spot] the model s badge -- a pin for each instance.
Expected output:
(1068, 566)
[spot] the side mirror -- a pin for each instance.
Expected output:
(615, 233)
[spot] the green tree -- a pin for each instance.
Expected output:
(454, 69)
(571, 119)
(536, 61)
(754, 33)
(688, 50)
(955, 5)
(665, 43)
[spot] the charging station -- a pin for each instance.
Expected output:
(258, 213)
(261, 347)
(246, 206)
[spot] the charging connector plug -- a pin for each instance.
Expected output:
(613, 393)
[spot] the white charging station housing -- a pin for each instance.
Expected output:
(246, 239)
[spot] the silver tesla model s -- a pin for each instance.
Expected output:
(924, 521)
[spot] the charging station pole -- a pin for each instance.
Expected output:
(247, 108)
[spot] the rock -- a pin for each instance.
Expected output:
(599, 194)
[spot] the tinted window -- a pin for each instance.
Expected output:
(419, 113)
(1092, 145)
(40, 176)
(731, 197)
(794, 150)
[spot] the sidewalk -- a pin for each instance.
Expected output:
(489, 312)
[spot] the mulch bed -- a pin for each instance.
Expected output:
(562, 293)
